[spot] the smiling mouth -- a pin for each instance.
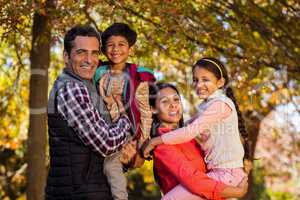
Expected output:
(85, 67)
(202, 91)
(115, 55)
(173, 114)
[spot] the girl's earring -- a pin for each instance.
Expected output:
(154, 112)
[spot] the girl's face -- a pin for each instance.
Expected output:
(205, 82)
(168, 107)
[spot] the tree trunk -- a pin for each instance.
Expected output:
(253, 130)
(36, 144)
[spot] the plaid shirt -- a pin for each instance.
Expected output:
(75, 105)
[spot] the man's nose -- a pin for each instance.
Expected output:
(89, 57)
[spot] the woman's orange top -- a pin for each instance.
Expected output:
(183, 164)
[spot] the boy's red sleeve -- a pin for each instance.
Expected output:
(145, 74)
(191, 178)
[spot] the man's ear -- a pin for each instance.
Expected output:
(221, 82)
(66, 58)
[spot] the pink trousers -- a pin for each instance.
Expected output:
(228, 176)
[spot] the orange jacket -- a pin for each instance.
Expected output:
(183, 164)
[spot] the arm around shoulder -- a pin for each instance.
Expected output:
(75, 105)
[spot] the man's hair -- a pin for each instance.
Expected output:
(79, 30)
(118, 29)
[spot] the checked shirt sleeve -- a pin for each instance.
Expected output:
(75, 105)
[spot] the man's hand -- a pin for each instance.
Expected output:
(128, 152)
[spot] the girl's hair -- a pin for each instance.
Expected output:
(218, 69)
(153, 93)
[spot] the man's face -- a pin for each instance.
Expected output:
(84, 56)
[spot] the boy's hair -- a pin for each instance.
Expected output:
(79, 30)
(118, 29)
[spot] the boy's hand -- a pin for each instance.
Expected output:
(109, 100)
(118, 100)
(114, 112)
(102, 85)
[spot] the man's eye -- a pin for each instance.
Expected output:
(79, 52)
(96, 53)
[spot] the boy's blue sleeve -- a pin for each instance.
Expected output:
(99, 73)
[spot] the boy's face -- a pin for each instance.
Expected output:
(117, 51)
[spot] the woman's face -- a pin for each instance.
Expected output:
(168, 107)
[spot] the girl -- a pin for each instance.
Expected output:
(181, 164)
(217, 126)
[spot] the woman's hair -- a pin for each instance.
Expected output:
(153, 93)
(218, 69)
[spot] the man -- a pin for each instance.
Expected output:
(79, 136)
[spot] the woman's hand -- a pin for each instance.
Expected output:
(236, 192)
(243, 186)
(151, 145)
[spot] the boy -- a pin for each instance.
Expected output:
(121, 83)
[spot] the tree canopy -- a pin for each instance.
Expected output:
(257, 40)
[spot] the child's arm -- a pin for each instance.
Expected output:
(216, 112)
(142, 97)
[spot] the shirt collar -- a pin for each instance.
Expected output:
(217, 93)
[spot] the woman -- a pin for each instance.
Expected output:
(182, 164)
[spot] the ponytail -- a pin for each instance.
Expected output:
(241, 124)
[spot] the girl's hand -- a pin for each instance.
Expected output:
(151, 145)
